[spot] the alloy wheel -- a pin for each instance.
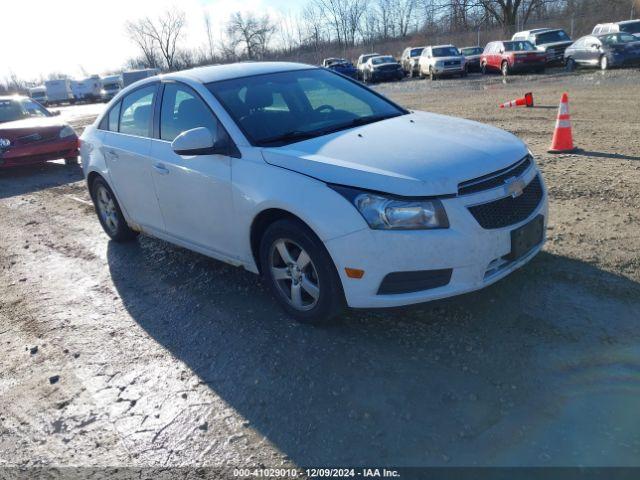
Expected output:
(107, 208)
(294, 274)
(604, 62)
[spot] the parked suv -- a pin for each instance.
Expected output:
(549, 40)
(362, 60)
(381, 68)
(440, 61)
(294, 172)
(410, 60)
(509, 57)
(626, 26)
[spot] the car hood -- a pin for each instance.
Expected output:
(418, 154)
(27, 126)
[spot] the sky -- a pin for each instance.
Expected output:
(43, 36)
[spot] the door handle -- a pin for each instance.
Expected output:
(161, 169)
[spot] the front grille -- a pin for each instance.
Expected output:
(509, 211)
(388, 68)
(495, 179)
(416, 281)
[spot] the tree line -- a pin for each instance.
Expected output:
(339, 27)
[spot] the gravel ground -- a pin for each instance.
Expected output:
(149, 355)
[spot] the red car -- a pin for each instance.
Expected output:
(29, 133)
(512, 56)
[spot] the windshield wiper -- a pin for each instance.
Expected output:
(291, 136)
(297, 135)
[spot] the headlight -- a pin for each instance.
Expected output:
(388, 213)
(67, 131)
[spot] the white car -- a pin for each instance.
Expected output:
(440, 61)
(304, 176)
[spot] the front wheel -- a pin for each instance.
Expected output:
(505, 69)
(300, 273)
(570, 65)
(432, 75)
(483, 68)
(109, 212)
(604, 63)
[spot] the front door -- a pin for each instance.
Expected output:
(194, 192)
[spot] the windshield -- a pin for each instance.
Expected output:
(281, 108)
(12, 110)
(633, 27)
(416, 52)
(552, 37)
(518, 47)
(614, 38)
(472, 51)
(381, 60)
(445, 52)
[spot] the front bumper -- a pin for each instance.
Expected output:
(387, 75)
(472, 253)
(32, 154)
(452, 70)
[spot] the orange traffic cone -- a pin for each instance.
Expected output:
(526, 101)
(562, 137)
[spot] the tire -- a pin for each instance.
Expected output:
(109, 213)
(570, 65)
(432, 76)
(71, 161)
(282, 248)
(483, 68)
(504, 68)
(604, 63)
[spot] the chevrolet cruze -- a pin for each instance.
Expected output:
(336, 195)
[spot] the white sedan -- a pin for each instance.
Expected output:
(304, 176)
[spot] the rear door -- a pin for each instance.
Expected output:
(194, 191)
(126, 149)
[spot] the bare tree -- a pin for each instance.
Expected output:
(160, 35)
(210, 42)
(138, 35)
(251, 33)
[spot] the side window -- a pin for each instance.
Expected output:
(137, 111)
(183, 110)
(114, 115)
(110, 120)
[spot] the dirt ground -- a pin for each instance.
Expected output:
(149, 355)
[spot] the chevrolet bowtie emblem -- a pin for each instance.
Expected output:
(514, 187)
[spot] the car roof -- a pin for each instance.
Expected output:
(13, 97)
(443, 46)
(215, 73)
(626, 22)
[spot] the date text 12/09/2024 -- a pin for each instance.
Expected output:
(316, 473)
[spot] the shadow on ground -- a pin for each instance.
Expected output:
(16, 181)
(540, 369)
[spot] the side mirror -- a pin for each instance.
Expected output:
(197, 141)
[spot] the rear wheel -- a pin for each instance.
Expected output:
(109, 212)
(300, 272)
